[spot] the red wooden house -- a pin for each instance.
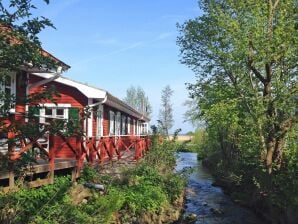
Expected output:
(112, 130)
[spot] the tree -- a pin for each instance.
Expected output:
(244, 55)
(166, 111)
(19, 29)
(250, 47)
(137, 99)
(20, 51)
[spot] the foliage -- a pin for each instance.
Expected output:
(89, 174)
(166, 111)
(24, 205)
(146, 187)
(244, 54)
(197, 144)
(20, 54)
(19, 26)
(137, 99)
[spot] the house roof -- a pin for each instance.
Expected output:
(97, 94)
(122, 106)
(88, 91)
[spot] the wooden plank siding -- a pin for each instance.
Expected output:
(68, 95)
(88, 148)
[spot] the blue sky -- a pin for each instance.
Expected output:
(113, 44)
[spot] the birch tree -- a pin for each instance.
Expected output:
(137, 99)
(166, 111)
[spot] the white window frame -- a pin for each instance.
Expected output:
(128, 125)
(134, 127)
(54, 107)
(99, 131)
(12, 87)
(118, 123)
(111, 122)
(123, 124)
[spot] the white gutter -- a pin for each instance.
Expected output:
(57, 74)
(99, 103)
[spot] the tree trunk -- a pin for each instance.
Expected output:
(278, 151)
(270, 152)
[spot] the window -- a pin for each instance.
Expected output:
(123, 125)
(8, 90)
(99, 120)
(111, 123)
(118, 123)
(128, 125)
(48, 114)
(134, 127)
(144, 128)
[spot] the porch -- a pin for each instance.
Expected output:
(102, 152)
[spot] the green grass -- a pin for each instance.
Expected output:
(144, 188)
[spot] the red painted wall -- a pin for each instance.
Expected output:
(68, 95)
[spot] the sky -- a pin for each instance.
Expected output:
(115, 44)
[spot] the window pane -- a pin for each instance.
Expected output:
(49, 111)
(7, 91)
(7, 81)
(112, 123)
(60, 112)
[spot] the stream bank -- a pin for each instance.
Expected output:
(206, 203)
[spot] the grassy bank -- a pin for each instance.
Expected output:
(240, 182)
(141, 192)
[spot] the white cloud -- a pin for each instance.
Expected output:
(107, 41)
(138, 44)
(115, 52)
(163, 36)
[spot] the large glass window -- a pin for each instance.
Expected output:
(111, 123)
(123, 125)
(134, 127)
(118, 123)
(7, 90)
(99, 120)
(128, 125)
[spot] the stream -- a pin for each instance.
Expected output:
(209, 203)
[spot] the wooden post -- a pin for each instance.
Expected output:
(79, 153)
(51, 159)
(11, 149)
(74, 174)
(11, 179)
(137, 150)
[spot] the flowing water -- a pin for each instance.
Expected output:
(207, 202)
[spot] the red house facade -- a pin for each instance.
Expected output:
(110, 129)
(111, 126)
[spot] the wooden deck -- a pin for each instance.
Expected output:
(104, 154)
(41, 167)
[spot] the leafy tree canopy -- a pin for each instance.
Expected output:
(137, 99)
(166, 111)
(244, 54)
(19, 29)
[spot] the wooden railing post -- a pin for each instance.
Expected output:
(11, 149)
(51, 159)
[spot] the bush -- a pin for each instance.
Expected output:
(144, 188)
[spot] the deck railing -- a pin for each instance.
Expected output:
(95, 150)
